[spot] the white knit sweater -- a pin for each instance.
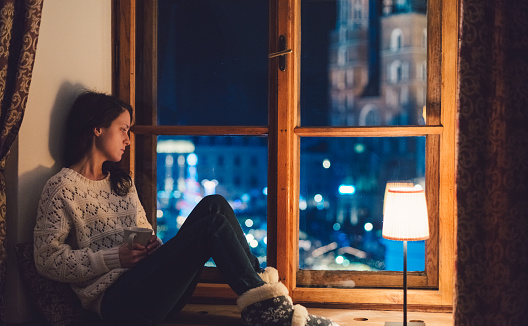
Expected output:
(79, 230)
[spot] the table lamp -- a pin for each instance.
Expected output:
(405, 219)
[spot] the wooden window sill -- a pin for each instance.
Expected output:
(204, 314)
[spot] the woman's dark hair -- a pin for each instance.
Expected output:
(94, 110)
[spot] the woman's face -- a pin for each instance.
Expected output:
(111, 142)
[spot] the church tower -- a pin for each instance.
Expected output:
(377, 63)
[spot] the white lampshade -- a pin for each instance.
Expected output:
(405, 214)
(395, 184)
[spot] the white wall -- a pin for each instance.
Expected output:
(73, 53)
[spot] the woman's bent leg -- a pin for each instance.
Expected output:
(152, 289)
(216, 204)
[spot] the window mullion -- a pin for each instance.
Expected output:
(144, 145)
(284, 117)
(124, 56)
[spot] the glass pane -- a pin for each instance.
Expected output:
(212, 62)
(189, 168)
(341, 201)
(363, 62)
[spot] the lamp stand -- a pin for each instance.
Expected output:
(405, 323)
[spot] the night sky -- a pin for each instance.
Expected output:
(213, 62)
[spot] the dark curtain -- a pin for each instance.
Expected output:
(19, 28)
(492, 170)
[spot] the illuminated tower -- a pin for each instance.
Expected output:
(349, 59)
(404, 60)
(377, 64)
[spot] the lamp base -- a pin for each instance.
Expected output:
(400, 323)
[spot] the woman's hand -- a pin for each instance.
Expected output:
(153, 244)
(129, 258)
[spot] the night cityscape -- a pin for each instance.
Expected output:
(363, 63)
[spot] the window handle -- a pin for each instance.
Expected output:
(278, 54)
(281, 54)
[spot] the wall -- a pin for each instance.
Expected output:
(73, 53)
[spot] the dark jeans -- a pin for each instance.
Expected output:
(165, 280)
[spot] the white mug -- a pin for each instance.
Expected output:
(136, 234)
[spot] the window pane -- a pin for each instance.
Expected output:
(363, 62)
(341, 200)
(212, 62)
(189, 168)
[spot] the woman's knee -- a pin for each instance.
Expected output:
(216, 203)
(216, 198)
(209, 205)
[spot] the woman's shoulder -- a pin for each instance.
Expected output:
(55, 185)
(62, 178)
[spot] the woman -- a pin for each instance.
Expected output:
(79, 235)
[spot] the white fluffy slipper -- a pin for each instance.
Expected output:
(270, 275)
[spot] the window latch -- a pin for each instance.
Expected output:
(281, 53)
(278, 54)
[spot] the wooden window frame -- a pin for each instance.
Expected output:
(431, 290)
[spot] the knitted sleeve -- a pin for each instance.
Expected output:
(54, 258)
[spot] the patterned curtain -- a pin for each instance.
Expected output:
(19, 28)
(492, 170)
